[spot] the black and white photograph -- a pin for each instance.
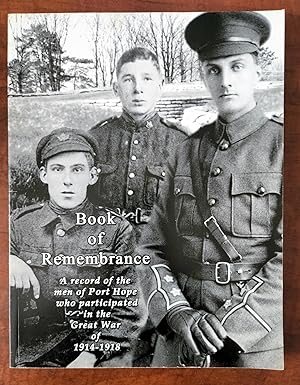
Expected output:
(145, 187)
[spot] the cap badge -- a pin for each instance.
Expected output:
(63, 137)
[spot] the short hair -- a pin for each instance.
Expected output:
(90, 160)
(137, 53)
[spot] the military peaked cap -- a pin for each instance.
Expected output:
(218, 34)
(65, 140)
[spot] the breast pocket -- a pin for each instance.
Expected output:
(154, 176)
(255, 201)
(185, 205)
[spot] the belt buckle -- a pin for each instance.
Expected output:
(217, 277)
(208, 220)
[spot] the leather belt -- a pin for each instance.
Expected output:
(220, 272)
(212, 225)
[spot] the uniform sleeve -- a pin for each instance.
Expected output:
(159, 285)
(126, 316)
(258, 307)
(14, 238)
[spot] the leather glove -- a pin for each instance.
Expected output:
(186, 357)
(201, 331)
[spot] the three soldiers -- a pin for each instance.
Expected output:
(214, 287)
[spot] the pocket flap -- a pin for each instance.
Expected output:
(258, 183)
(183, 185)
(157, 171)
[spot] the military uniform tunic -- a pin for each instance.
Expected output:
(48, 336)
(240, 164)
(132, 163)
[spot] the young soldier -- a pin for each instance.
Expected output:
(134, 147)
(70, 334)
(214, 287)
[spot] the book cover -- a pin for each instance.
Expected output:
(100, 109)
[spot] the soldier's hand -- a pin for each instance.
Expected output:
(84, 360)
(202, 332)
(209, 333)
(21, 276)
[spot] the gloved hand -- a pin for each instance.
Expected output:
(186, 357)
(201, 331)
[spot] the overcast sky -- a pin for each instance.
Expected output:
(77, 44)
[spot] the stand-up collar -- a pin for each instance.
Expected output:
(149, 121)
(66, 217)
(241, 127)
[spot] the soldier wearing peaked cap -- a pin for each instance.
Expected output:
(50, 335)
(214, 287)
(65, 140)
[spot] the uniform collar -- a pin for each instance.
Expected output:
(67, 218)
(149, 121)
(241, 127)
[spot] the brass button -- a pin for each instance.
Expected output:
(99, 170)
(177, 190)
(133, 157)
(130, 192)
(212, 201)
(163, 173)
(131, 175)
(28, 261)
(216, 171)
(60, 232)
(135, 141)
(224, 145)
(207, 235)
(261, 190)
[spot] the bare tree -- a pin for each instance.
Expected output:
(163, 34)
(105, 34)
(94, 28)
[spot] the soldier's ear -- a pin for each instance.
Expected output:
(115, 88)
(258, 73)
(43, 174)
(93, 175)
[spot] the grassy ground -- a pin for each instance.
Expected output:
(32, 117)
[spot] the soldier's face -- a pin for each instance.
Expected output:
(231, 82)
(68, 176)
(138, 87)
